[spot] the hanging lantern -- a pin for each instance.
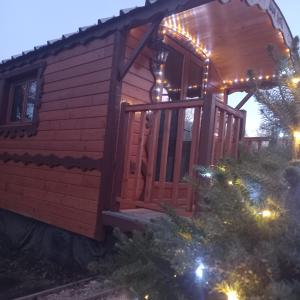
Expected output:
(160, 56)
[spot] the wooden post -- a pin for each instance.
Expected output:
(164, 154)
(207, 131)
(178, 155)
(153, 142)
(221, 132)
(243, 124)
(229, 135)
(193, 155)
(139, 156)
(122, 147)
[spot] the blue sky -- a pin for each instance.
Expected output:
(24, 24)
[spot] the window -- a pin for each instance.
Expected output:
(23, 97)
(19, 98)
(173, 76)
(194, 80)
(183, 75)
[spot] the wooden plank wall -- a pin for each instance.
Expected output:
(139, 80)
(136, 90)
(72, 123)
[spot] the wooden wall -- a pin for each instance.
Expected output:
(139, 80)
(72, 123)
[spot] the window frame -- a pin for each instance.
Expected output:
(8, 81)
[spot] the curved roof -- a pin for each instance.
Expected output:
(237, 34)
(152, 10)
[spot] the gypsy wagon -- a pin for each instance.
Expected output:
(113, 117)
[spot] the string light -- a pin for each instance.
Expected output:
(260, 77)
(200, 271)
(296, 135)
(229, 290)
(296, 80)
(147, 297)
(179, 31)
(266, 213)
(207, 174)
(232, 295)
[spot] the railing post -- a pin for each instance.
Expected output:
(207, 131)
(243, 125)
(120, 156)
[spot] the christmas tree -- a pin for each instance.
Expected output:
(244, 239)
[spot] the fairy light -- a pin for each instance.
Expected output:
(260, 77)
(296, 80)
(173, 27)
(296, 135)
(266, 214)
(200, 270)
(232, 295)
(179, 31)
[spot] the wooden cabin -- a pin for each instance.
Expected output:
(113, 117)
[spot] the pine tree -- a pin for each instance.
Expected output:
(244, 239)
(280, 106)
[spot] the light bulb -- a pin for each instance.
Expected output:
(232, 295)
(200, 271)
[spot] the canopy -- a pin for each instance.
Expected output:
(237, 34)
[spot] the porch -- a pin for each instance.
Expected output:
(175, 81)
(162, 143)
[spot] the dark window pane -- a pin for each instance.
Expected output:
(195, 77)
(31, 99)
(173, 76)
(17, 105)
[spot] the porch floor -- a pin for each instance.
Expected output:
(130, 219)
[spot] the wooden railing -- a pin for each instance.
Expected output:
(254, 144)
(161, 143)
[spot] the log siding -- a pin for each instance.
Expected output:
(54, 176)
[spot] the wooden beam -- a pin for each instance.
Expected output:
(126, 67)
(107, 193)
(244, 101)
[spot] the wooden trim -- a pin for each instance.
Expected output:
(21, 129)
(142, 43)
(244, 101)
(84, 163)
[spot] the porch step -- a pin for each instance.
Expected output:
(130, 219)
(127, 204)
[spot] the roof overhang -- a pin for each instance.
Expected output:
(236, 33)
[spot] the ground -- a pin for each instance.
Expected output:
(21, 274)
